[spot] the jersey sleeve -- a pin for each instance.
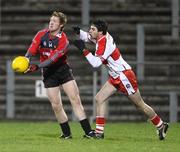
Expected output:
(33, 49)
(101, 47)
(97, 60)
(102, 50)
(93, 60)
(105, 48)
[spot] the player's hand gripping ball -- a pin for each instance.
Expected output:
(20, 64)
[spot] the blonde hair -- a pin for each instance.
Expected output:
(62, 17)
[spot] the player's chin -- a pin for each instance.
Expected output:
(51, 29)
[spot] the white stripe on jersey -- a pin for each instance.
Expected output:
(94, 60)
(126, 83)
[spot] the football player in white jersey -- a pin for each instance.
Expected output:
(121, 76)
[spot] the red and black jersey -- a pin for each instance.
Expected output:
(50, 47)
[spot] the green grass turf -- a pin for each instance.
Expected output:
(119, 137)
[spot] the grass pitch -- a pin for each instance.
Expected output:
(119, 137)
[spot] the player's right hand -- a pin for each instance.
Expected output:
(76, 29)
(32, 68)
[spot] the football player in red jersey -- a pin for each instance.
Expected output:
(121, 76)
(51, 45)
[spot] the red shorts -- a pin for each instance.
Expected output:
(126, 82)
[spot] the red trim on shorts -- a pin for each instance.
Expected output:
(117, 83)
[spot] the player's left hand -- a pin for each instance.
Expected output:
(32, 68)
(79, 44)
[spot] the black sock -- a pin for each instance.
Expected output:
(65, 128)
(86, 126)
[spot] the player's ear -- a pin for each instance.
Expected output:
(100, 32)
(61, 26)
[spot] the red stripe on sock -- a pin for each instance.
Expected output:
(99, 130)
(155, 120)
(100, 120)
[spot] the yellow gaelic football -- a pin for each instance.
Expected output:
(20, 64)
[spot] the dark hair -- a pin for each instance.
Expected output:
(101, 25)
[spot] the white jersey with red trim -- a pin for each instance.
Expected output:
(106, 53)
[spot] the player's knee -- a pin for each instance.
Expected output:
(53, 98)
(98, 99)
(139, 108)
(142, 107)
(75, 100)
(57, 107)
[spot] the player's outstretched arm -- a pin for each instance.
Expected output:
(76, 29)
(80, 45)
